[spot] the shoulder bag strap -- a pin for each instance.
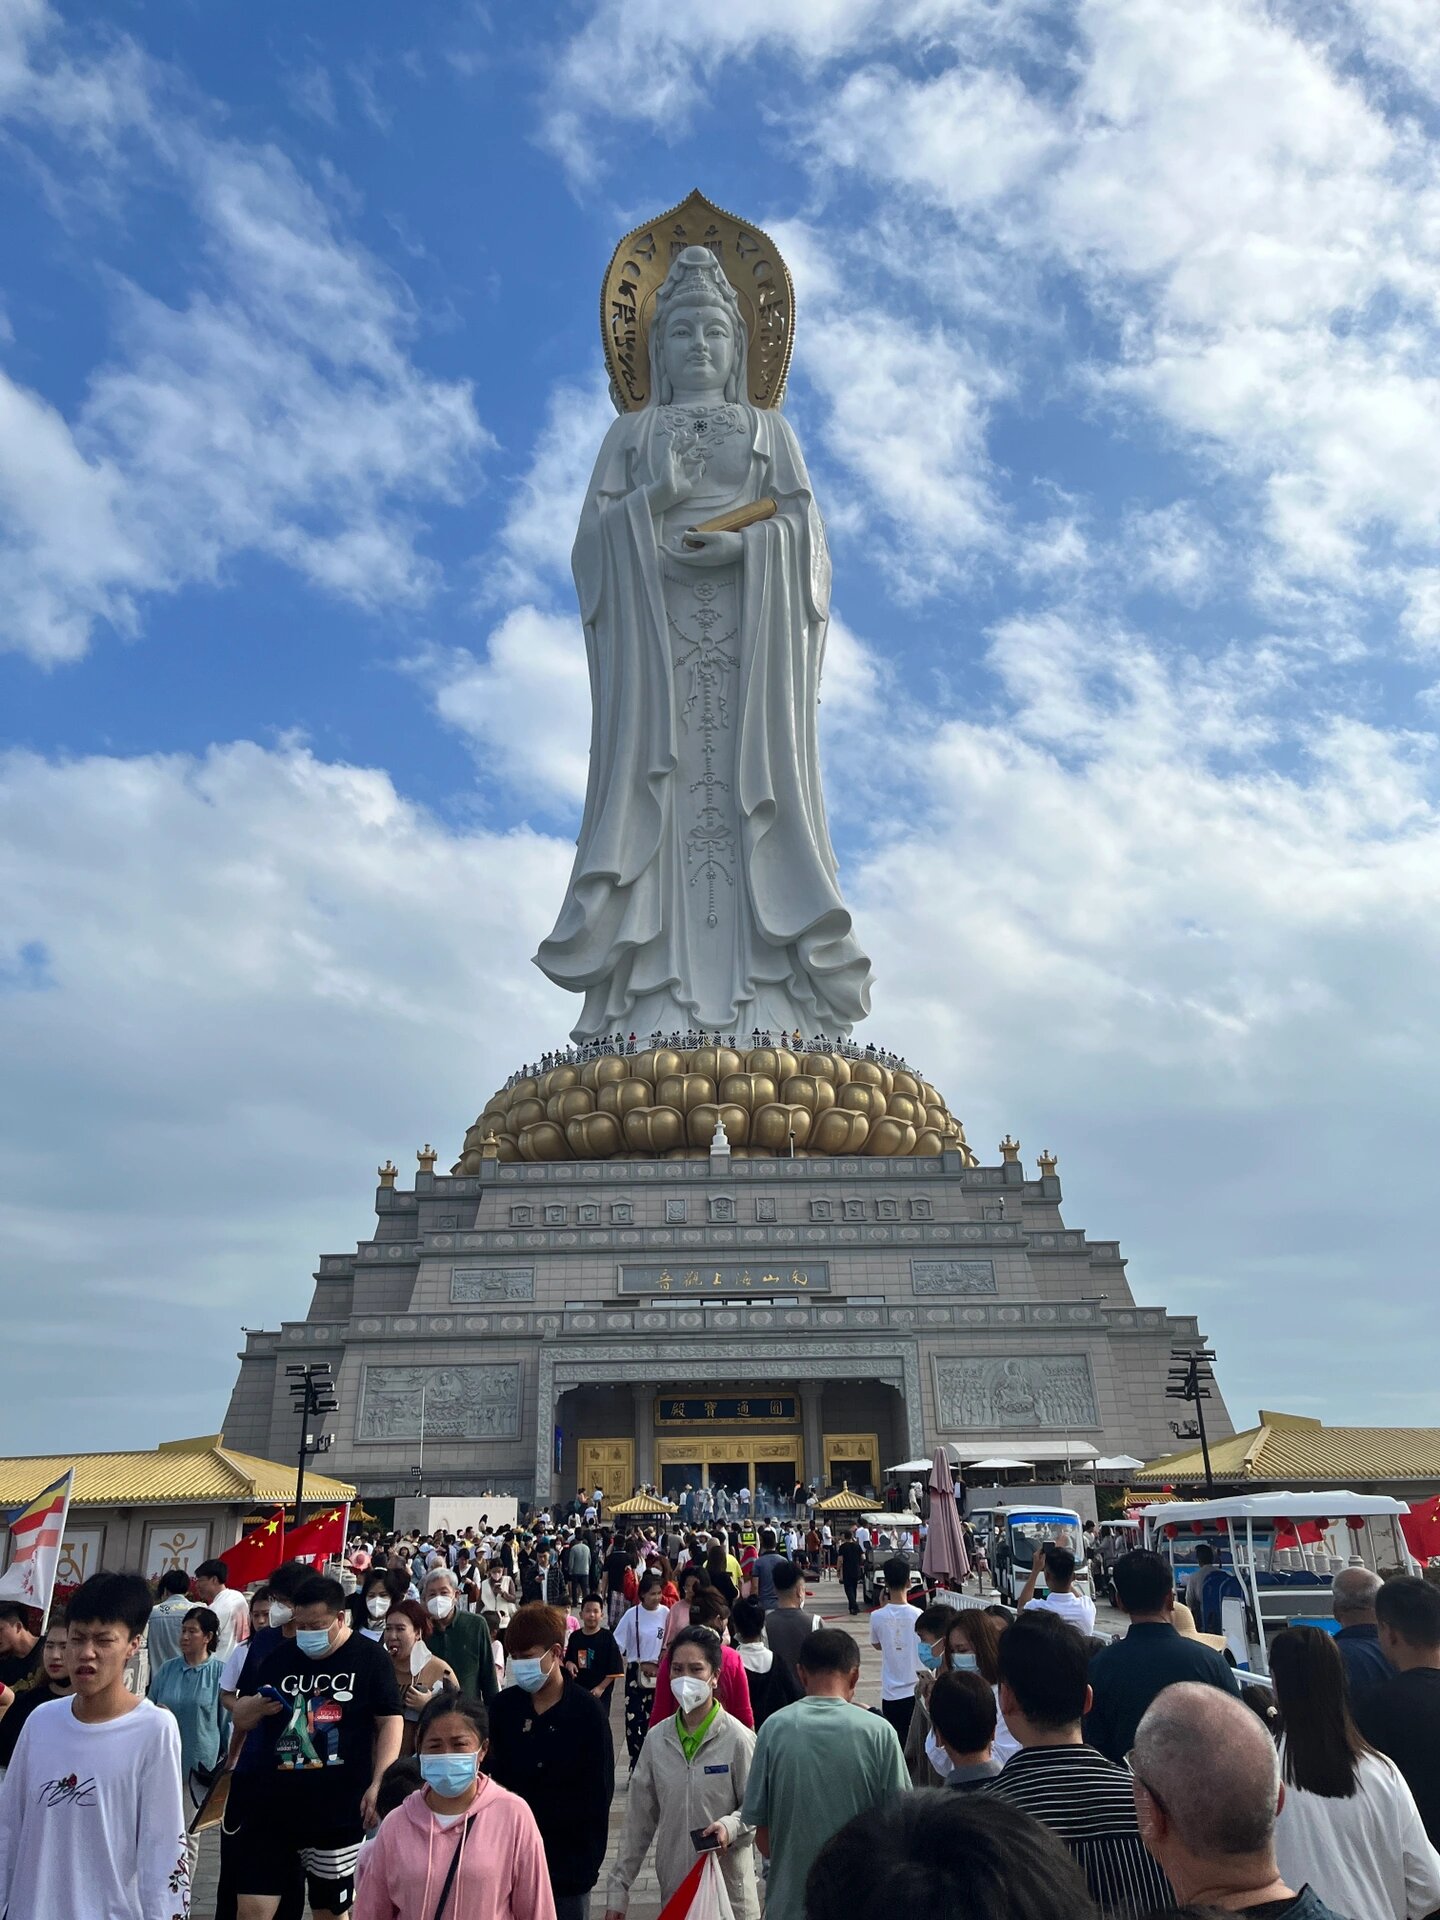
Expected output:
(444, 1899)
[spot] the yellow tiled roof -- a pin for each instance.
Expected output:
(1292, 1450)
(203, 1471)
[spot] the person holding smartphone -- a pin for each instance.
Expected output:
(689, 1785)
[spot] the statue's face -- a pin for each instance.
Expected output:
(698, 348)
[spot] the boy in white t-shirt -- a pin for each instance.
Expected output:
(1058, 1565)
(91, 1821)
(892, 1629)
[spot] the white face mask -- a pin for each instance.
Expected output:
(378, 1605)
(440, 1606)
(280, 1614)
(937, 1756)
(689, 1691)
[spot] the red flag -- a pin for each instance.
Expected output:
(321, 1538)
(258, 1553)
(1421, 1528)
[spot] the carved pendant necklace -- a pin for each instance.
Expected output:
(702, 429)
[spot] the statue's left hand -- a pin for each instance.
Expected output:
(708, 549)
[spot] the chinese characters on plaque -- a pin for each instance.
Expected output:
(813, 1277)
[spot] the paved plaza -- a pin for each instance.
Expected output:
(827, 1599)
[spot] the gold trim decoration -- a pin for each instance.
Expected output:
(753, 266)
(664, 1103)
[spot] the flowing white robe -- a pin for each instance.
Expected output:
(704, 891)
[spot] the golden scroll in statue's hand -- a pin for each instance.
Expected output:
(736, 520)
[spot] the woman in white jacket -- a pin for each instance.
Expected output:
(1348, 1824)
(691, 1773)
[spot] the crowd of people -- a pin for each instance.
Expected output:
(425, 1733)
(687, 1040)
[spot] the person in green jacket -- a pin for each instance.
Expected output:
(461, 1639)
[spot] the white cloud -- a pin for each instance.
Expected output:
(311, 92)
(275, 410)
(1211, 991)
(264, 974)
(525, 707)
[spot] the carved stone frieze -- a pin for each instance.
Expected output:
(492, 1283)
(1050, 1390)
(461, 1403)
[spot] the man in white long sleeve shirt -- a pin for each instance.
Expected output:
(91, 1821)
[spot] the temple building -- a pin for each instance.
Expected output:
(715, 1313)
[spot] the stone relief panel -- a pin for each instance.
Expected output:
(1036, 1390)
(461, 1403)
(920, 1210)
(674, 1213)
(492, 1283)
(765, 1209)
(953, 1276)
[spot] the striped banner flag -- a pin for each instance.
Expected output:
(36, 1532)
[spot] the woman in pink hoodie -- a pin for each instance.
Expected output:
(462, 1840)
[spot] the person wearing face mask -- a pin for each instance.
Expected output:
(462, 1846)
(370, 1604)
(640, 1636)
(418, 1673)
(963, 1716)
(692, 1774)
(461, 1639)
(239, 1695)
(497, 1593)
(972, 1645)
(329, 1717)
(919, 1742)
(550, 1743)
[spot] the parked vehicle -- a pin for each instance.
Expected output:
(1019, 1533)
(1269, 1570)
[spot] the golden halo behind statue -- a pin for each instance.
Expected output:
(753, 265)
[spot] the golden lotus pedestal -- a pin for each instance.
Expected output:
(665, 1104)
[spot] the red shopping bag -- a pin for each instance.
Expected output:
(701, 1895)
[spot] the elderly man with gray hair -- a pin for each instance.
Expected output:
(1206, 1779)
(1352, 1601)
(461, 1639)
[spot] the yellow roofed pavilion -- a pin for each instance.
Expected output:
(1292, 1450)
(199, 1472)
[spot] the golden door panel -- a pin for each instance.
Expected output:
(610, 1465)
(852, 1447)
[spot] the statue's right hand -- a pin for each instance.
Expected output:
(677, 478)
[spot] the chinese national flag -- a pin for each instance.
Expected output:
(258, 1553)
(321, 1538)
(1421, 1528)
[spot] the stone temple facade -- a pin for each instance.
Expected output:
(739, 1321)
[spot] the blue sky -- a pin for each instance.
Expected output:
(1115, 350)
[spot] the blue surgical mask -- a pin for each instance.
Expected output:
(450, 1774)
(314, 1641)
(964, 1663)
(929, 1658)
(529, 1674)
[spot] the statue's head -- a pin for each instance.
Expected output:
(697, 335)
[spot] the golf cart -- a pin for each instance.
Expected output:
(878, 1521)
(1275, 1555)
(1019, 1533)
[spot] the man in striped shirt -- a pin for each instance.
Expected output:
(1081, 1796)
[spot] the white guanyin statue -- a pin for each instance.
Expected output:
(704, 892)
